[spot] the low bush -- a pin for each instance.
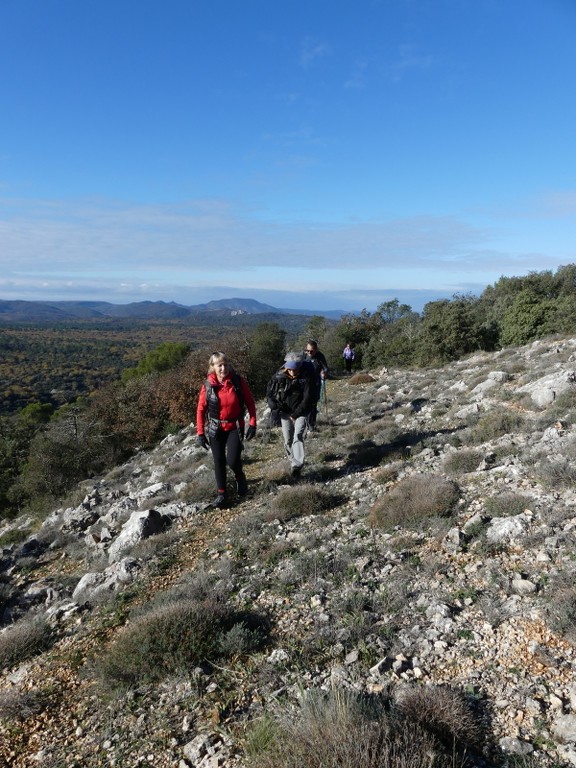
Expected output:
(461, 461)
(200, 488)
(175, 637)
(6, 591)
(414, 499)
(563, 407)
(299, 501)
(496, 423)
(16, 704)
(446, 712)
(561, 605)
(507, 504)
(555, 471)
(275, 474)
(23, 640)
(310, 565)
(361, 378)
(14, 536)
(366, 454)
(387, 473)
(344, 729)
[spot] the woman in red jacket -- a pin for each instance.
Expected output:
(224, 398)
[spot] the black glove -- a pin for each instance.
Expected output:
(203, 442)
(250, 432)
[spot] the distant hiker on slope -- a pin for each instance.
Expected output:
(224, 398)
(348, 354)
(290, 394)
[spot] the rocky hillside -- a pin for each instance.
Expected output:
(429, 546)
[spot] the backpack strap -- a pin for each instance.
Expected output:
(212, 397)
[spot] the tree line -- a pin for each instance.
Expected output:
(512, 312)
(46, 448)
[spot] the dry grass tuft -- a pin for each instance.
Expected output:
(15, 704)
(445, 712)
(461, 461)
(343, 729)
(561, 605)
(23, 640)
(507, 504)
(300, 501)
(361, 378)
(495, 424)
(414, 499)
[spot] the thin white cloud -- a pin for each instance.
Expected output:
(311, 50)
(213, 236)
(409, 59)
(357, 80)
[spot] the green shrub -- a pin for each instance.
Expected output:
(414, 499)
(563, 407)
(175, 637)
(312, 564)
(274, 475)
(496, 423)
(23, 640)
(355, 615)
(200, 487)
(555, 471)
(14, 536)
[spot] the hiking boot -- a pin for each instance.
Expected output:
(296, 471)
(220, 501)
(241, 485)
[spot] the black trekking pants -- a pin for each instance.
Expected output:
(314, 410)
(226, 449)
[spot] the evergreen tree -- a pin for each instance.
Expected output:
(164, 357)
(527, 318)
(265, 355)
(448, 331)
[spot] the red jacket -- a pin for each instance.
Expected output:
(231, 412)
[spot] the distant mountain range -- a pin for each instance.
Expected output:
(67, 311)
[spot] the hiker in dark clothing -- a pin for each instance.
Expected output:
(318, 361)
(224, 398)
(290, 394)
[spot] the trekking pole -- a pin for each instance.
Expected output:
(324, 394)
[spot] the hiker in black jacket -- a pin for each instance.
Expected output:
(317, 360)
(290, 394)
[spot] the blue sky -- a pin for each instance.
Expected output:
(315, 154)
